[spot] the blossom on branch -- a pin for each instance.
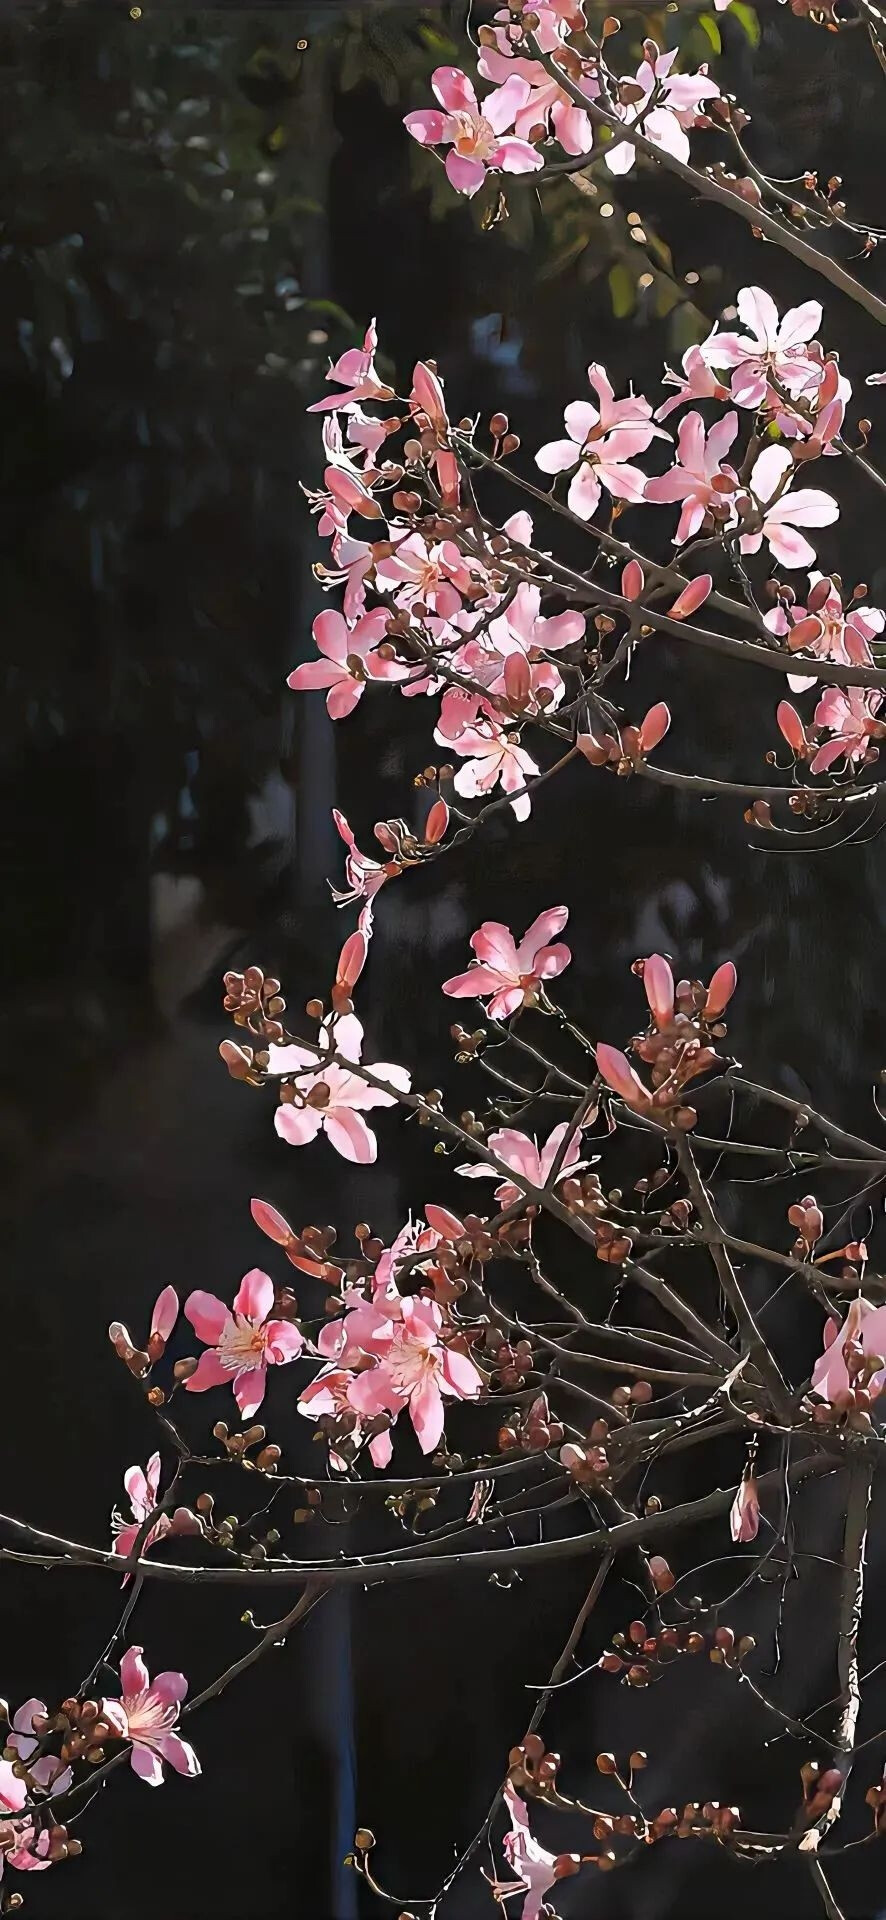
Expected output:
(241, 1342)
(147, 1714)
(477, 136)
(512, 974)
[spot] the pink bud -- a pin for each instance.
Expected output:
(518, 680)
(658, 981)
(721, 990)
(654, 727)
(790, 726)
(269, 1221)
(619, 1074)
(744, 1518)
(165, 1314)
(692, 597)
(597, 752)
(443, 1222)
(633, 580)
(436, 823)
(352, 960)
(427, 394)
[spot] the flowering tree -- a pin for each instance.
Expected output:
(504, 1382)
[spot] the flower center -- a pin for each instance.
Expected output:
(241, 1345)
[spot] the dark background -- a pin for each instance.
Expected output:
(197, 211)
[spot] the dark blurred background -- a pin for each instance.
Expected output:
(199, 207)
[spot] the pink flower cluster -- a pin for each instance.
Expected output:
(389, 1354)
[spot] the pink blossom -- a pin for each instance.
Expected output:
(334, 1098)
(241, 1342)
(474, 133)
(744, 1517)
(697, 382)
(692, 597)
(533, 1163)
(865, 1325)
(147, 1714)
(492, 753)
(772, 349)
(510, 973)
(350, 658)
(825, 628)
(547, 105)
(681, 98)
(699, 477)
(355, 370)
(537, 1870)
(601, 441)
(523, 621)
(143, 1492)
(783, 511)
(363, 874)
(849, 713)
(416, 1371)
(31, 1850)
(47, 1773)
(437, 575)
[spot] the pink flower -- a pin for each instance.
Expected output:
(744, 1517)
(696, 383)
(416, 1371)
(492, 753)
(536, 1869)
(699, 478)
(600, 442)
(772, 349)
(680, 96)
(825, 628)
(849, 713)
(350, 659)
(355, 370)
(473, 133)
(863, 1324)
(31, 1851)
(47, 1772)
(523, 621)
(435, 575)
(783, 512)
(241, 1343)
(147, 1715)
(333, 1098)
(363, 874)
(534, 1164)
(143, 1491)
(511, 974)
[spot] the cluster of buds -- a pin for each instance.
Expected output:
(307, 1250)
(821, 1785)
(807, 1217)
(225, 1533)
(255, 1002)
(625, 749)
(469, 1045)
(638, 1655)
(84, 1731)
(512, 1362)
(531, 1768)
(140, 1360)
(531, 1432)
(709, 1820)
(588, 1464)
(239, 1445)
(586, 1197)
(686, 1017)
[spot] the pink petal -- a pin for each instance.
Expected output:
(147, 1765)
(543, 930)
(494, 944)
(271, 1222)
(427, 127)
(343, 698)
(249, 1390)
(255, 1296)
(180, 1755)
(297, 1125)
(556, 456)
(210, 1373)
(134, 1676)
(454, 90)
(348, 1133)
(426, 1414)
(170, 1687)
(284, 1342)
(465, 175)
(208, 1316)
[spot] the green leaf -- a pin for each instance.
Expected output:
(622, 290)
(749, 19)
(709, 26)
